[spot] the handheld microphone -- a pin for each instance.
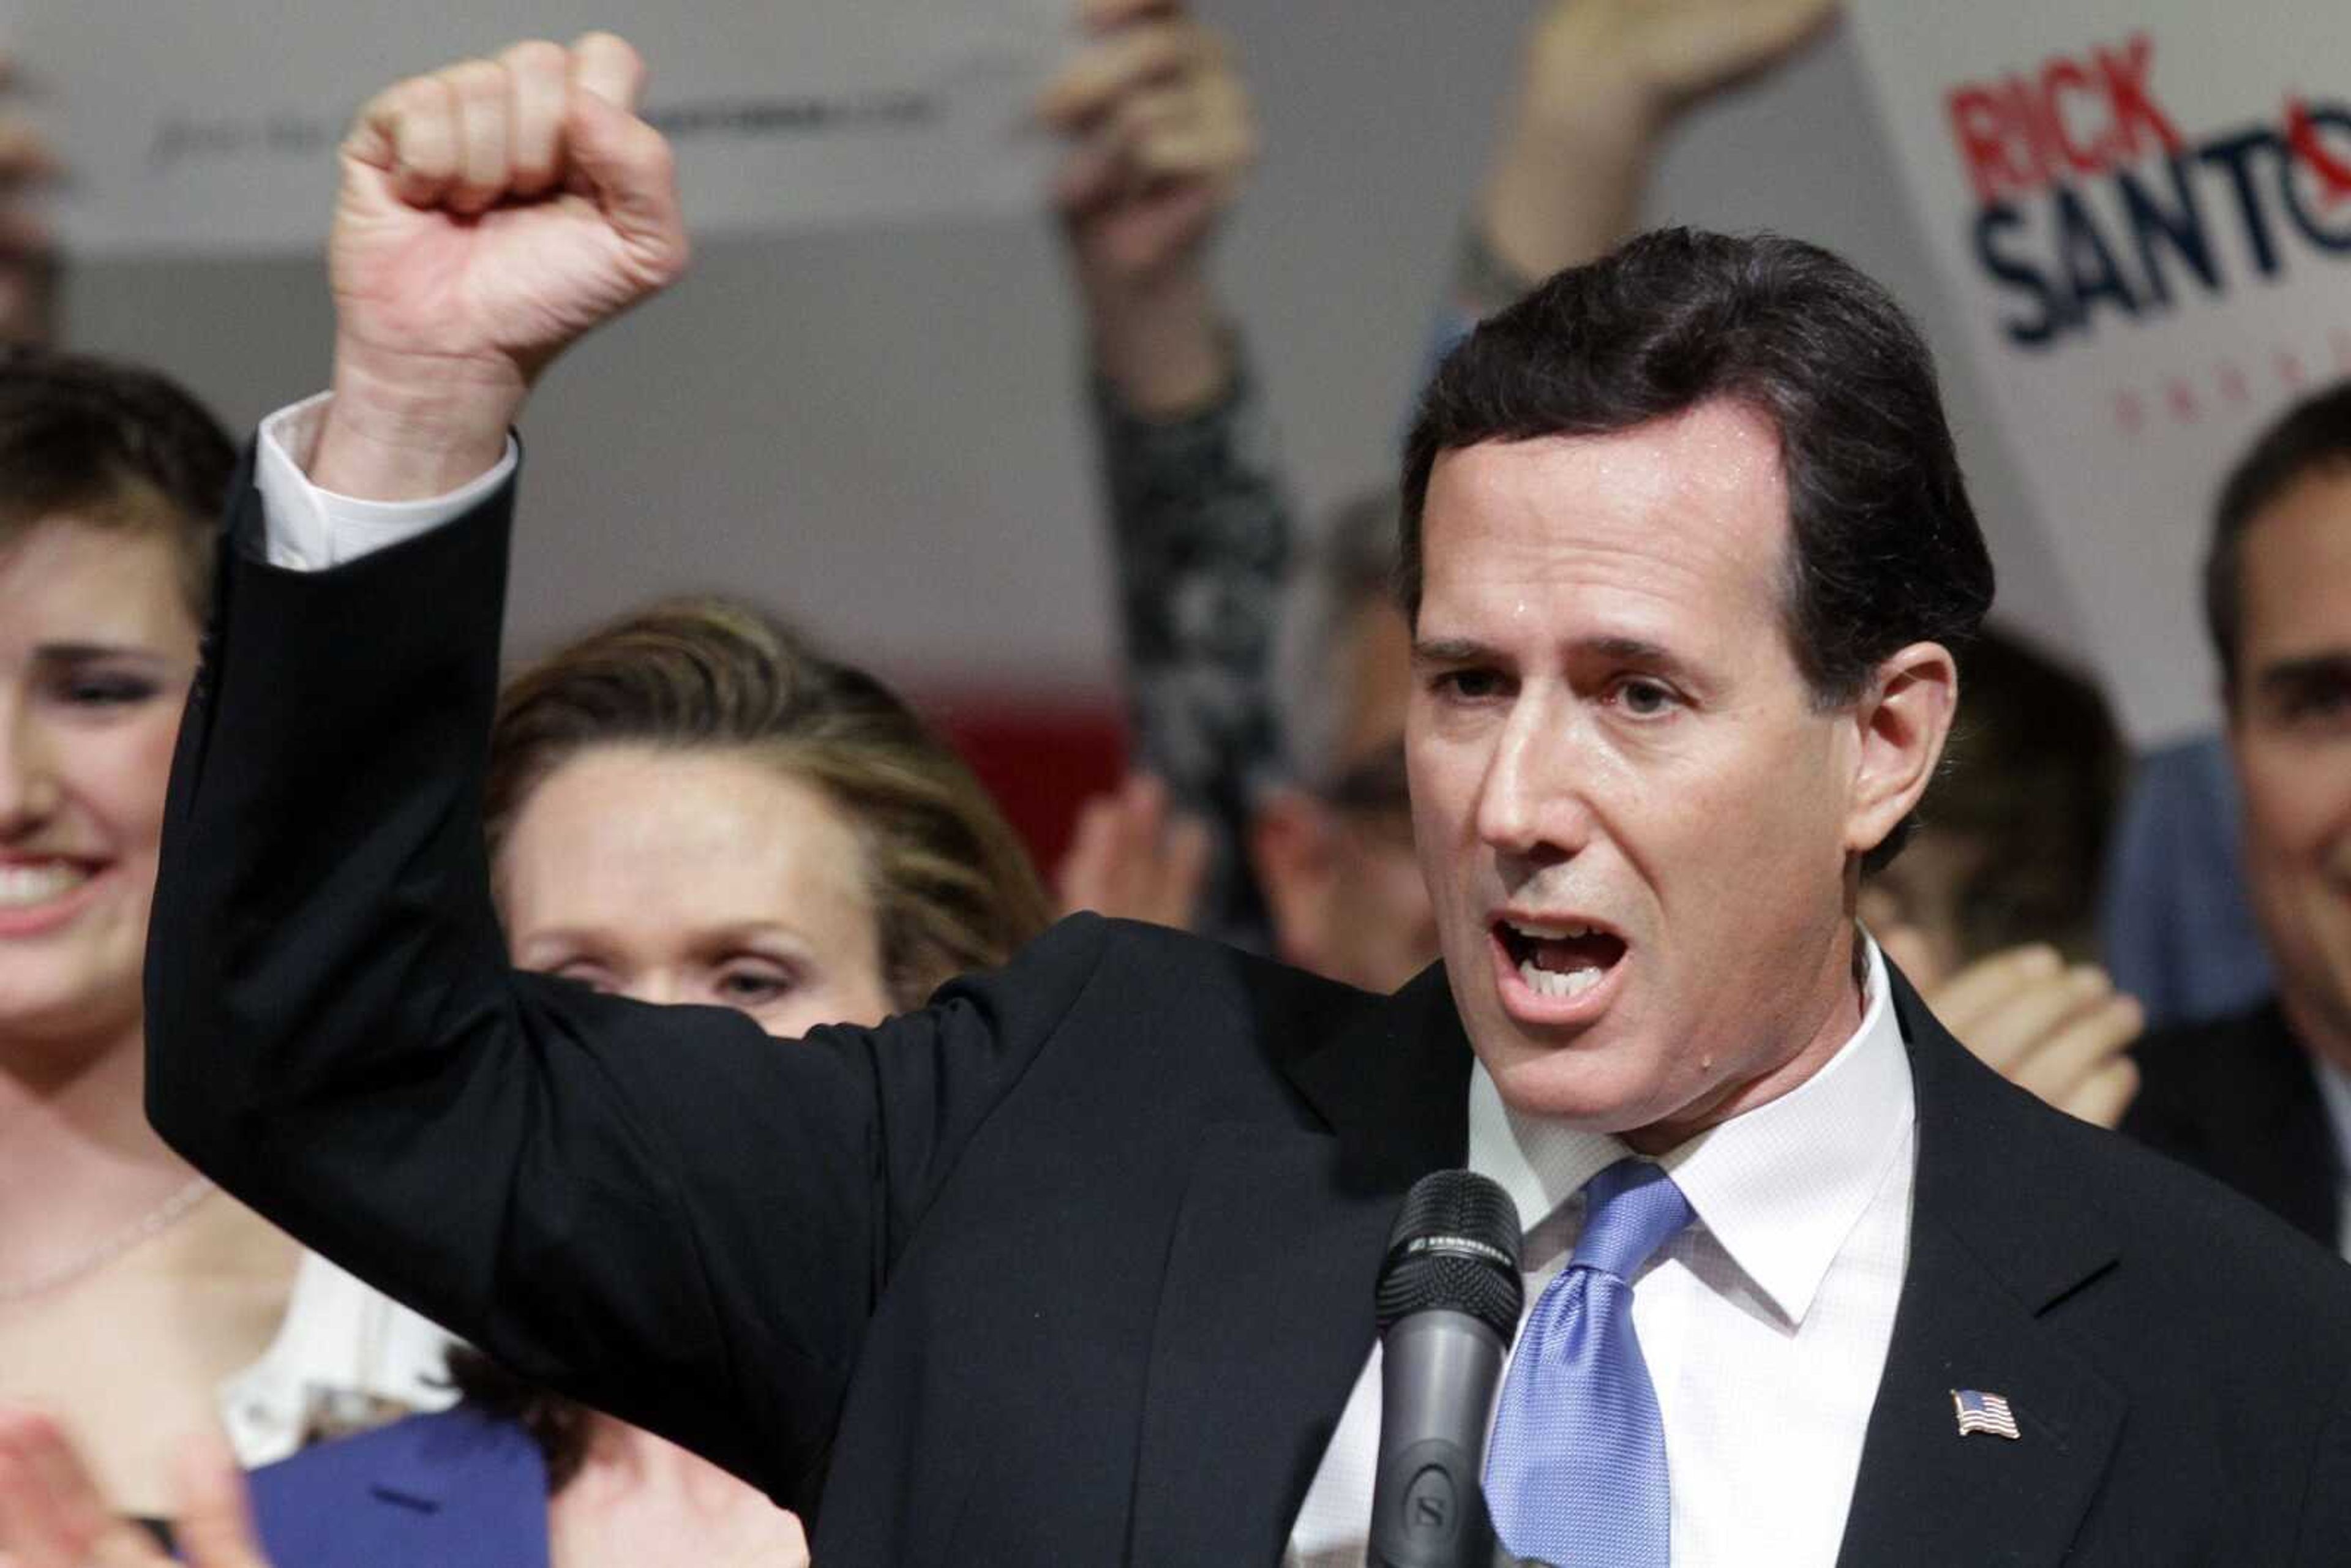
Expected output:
(1449, 1293)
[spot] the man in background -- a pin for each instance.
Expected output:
(2261, 1099)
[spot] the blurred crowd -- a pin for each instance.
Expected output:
(693, 805)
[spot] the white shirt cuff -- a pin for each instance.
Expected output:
(306, 529)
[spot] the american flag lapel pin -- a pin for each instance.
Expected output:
(1981, 1412)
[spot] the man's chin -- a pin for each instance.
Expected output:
(1582, 1083)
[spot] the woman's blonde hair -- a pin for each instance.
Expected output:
(953, 889)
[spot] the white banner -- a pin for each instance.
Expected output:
(209, 126)
(2144, 210)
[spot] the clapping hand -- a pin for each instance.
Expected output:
(51, 1515)
(2062, 1032)
(1134, 857)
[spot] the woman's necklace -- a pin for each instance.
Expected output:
(152, 1223)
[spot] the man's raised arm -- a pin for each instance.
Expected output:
(659, 1210)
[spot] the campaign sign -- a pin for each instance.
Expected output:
(209, 126)
(2144, 213)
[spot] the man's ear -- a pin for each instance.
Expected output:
(1291, 840)
(1903, 719)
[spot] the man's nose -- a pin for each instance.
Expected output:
(1533, 802)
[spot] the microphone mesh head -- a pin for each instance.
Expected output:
(1455, 1246)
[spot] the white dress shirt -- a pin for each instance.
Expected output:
(1764, 1324)
(309, 529)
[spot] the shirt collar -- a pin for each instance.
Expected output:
(1779, 1186)
(345, 1356)
(2335, 1094)
(2334, 1088)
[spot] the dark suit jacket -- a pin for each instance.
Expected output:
(1074, 1266)
(456, 1489)
(2238, 1099)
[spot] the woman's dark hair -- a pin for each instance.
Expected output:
(112, 445)
(1883, 546)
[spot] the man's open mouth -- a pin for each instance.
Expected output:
(1559, 960)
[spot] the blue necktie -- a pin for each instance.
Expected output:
(1575, 1472)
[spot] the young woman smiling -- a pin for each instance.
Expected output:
(137, 1304)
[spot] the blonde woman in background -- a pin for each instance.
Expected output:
(688, 805)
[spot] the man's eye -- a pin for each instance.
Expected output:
(2317, 705)
(1644, 699)
(1469, 685)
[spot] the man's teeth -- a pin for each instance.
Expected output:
(1549, 933)
(23, 886)
(1559, 982)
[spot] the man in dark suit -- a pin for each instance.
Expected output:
(2263, 1099)
(1076, 1264)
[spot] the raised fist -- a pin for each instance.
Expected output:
(1161, 136)
(1599, 82)
(490, 214)
(1672, 53)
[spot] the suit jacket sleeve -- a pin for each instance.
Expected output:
(658, 1209)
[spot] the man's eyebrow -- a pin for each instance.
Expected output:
(2331, 668)
(1624, 650)
(1630, 651)
(80, 653)
(1612, 653)
(1451, 651)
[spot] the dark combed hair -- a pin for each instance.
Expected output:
(112, 445)
(2311, 435)
(1885, 548)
